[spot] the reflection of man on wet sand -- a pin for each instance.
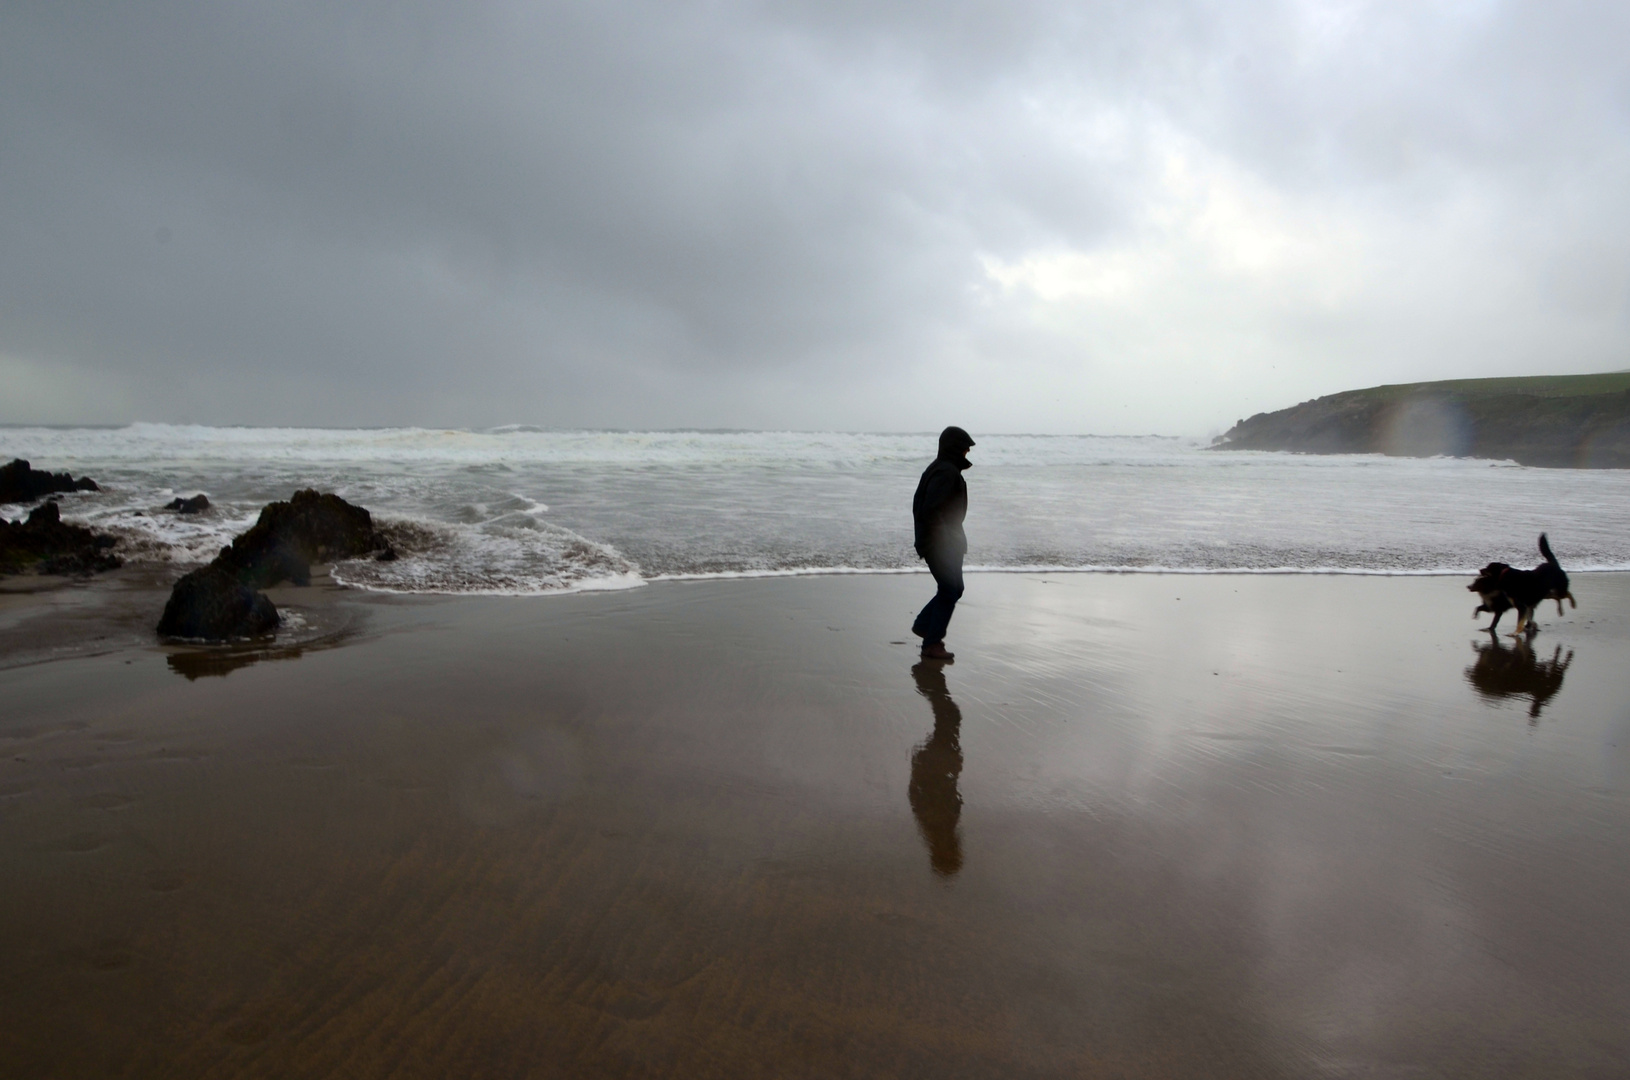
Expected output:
(1502, 672)
(935, 767)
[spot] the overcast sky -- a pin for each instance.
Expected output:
(1022, 215)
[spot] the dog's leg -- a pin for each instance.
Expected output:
(1559, 607)
(1496, 621)
(1571, 601)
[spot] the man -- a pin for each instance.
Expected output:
(937, 510)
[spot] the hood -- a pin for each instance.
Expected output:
(955, 443)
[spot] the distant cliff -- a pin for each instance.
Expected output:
(1559, 421)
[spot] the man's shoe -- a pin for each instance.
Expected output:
(937, 651)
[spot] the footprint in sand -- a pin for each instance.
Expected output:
(104, 801)
(79, 843)
(111, 955)
(248, 1031)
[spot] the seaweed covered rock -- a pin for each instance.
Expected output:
(19, 482)
(220, 601)
(195, 505)
(45, 543)
(212, 605)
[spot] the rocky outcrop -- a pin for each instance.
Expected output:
(220, 601)
(195, 505)
(289, 536)
(20, 483)
(213, 605)
(1541, 421)
(47, 545)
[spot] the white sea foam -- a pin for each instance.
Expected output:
(1315, 571)
(492, 558)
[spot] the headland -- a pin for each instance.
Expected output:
(1558, 421)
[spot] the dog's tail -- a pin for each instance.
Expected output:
(1545, 550)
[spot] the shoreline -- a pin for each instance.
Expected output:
(49, 617)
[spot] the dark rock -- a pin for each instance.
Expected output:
(219, 602)
(309, 528)
(211, 604)
(46, 544)
(195, 505)
(388, 555)
(21, 483)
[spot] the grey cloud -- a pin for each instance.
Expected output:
(642, 213)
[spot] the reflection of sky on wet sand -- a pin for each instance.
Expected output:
(1266, 822)
(1313, 745)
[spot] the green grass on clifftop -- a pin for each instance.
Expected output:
(1611, 382)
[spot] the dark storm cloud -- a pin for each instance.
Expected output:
(631, 213)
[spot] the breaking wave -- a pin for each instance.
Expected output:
(441, 557)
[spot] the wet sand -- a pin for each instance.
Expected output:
(1144, 826)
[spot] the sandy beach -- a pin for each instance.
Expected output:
(1145, 825)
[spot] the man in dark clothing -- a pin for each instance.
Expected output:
(937, 510)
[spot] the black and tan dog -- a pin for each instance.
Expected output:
(1504, 587)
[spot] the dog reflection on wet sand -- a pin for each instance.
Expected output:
(935, 767)
(1513, 671)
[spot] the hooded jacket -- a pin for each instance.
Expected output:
(941, 501)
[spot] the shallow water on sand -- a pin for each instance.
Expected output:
(1142, 826)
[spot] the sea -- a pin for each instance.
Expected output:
(528, 512)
